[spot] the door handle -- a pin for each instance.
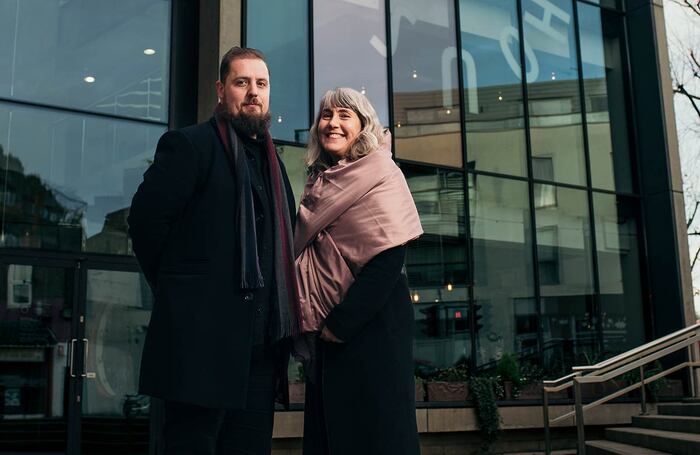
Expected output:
(86, 373)
(70, 358)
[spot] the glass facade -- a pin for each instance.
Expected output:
(84, 98)
(510, 123)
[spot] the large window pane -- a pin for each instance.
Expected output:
(436, 266)
(280, 29)
(566, 276)
(553, 89)
(493, 88)
(503, 280)
(617, 242)
(606, 115)
(426, 97)
(66, 180)
(110, 57)
(350, 50)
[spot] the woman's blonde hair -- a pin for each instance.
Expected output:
(367, 141)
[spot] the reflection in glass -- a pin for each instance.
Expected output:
(556, 130)
(279, 28)
(436, 268)
(616, 221)
(566, 278)
(425, 84)
(615, 4)
(493, 90)
(118, 308)
(503, 278)
(293, 159)
(350, 50)
(111, 58)
(603, 78)
(66, 180)
(35, 320)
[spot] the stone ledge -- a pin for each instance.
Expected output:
(446, 420)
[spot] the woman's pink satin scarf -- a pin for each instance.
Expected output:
(349, 213)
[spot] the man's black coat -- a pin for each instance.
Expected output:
(184, 230)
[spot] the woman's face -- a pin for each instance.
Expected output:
(338, 128)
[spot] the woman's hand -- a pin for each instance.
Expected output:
(327, 335)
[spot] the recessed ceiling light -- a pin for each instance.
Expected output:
(89, 79)
(149, 51)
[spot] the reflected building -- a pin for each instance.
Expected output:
(532, 134)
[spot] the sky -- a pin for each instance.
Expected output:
(683, 34)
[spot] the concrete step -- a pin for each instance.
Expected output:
(684, 424)
(680, 409)
(666, 441)
(618, 448)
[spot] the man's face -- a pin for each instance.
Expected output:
(246, 90)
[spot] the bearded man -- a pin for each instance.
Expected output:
(211, 226)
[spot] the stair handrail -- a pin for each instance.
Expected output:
(635, 358)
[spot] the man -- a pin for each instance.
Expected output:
(211, 226)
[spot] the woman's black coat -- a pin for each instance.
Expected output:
(362, 401)
(183, 227)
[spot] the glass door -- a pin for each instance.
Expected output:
(117, 309)
(38, 403)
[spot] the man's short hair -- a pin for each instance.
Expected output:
(236, 53)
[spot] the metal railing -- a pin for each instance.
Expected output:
(634, 359)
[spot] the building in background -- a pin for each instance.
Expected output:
(535, 135)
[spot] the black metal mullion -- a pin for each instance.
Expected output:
(597, 306)
(531, 183)
(312, 101)
(80, 111)
(645, 283)
(244, 23)
(465, 187)
(389, 73)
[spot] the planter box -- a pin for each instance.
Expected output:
(447, 391)
(533, 391)
(297, 392)
(420, 392)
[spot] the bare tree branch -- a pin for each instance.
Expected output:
(680, 88)
(688, 4)
(692, 264)
(692, 217)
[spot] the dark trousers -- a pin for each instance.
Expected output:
(194, 430)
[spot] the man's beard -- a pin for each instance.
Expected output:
(250, 125)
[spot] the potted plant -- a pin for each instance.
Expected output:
(531, 387)
(508, 368)
(484, 390)
(449, 384)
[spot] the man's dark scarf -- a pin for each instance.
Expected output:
(251, 276)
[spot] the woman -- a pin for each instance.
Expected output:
(355, 218)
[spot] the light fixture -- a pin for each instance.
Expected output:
(149, 51)
(554, 76)
(89, 79)
(279, 119)
(416, 297)
(362, 90)
(449, 286)
(414, 75)
(500, 97)
(398, 125)
(448, 111)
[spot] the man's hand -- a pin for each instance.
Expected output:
(327, 335)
